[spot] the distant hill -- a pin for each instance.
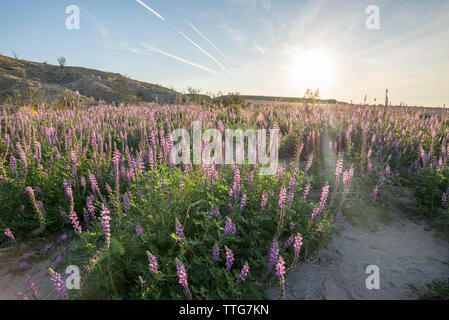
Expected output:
(20, 79)
(289, 99)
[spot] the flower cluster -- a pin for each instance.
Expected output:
(179, 231)
(105, 222)
(229, 258)
(243, 273)
(152, 263)
(229, 227)
(58, 284)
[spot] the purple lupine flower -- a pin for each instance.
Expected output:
(273, 255)
(347, 178)
(243, 203)
(292, 226)
(94, 184)
(83, 183)
(13, 164)
(182, 275)
(22, 296)
(263, 202)
(280, 267)
(282, 197)
(298, 242)
(68, 189)
(309, 163)
(63, 237)
(23, 266)
(369, 167)
(323, 199)
(126, 203)
(23, 157)
(58, 284)
(280, 272)
(387, 172)
(26, 255)
(75, 223)
(181, 187)
(86, 219)
(292, 183)
(244, 273)
(215, 252)
(280, 174)
(250, 179)
(9, 234)
(214, 212)
(30, 192)
(288, 242)
(105, 222)
(235, 189)
(229, 258)
(32, 287)
(152, 262)
(58, 259)
(306, 190)
(108, 188)
(90, 206)
(337, 218)
(291, 195)
(229, 227)
(41, 207)
(22, 209)
(338, 169)
(38, 191)
(179, 231)
(375, 192)
(139, 230)
(47, 248)
(74, 173)
(116, 161)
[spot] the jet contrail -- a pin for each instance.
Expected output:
(153, 11)
(204, 51)
(205, 38)
(179, 59)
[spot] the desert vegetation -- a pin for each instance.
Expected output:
(141, 227)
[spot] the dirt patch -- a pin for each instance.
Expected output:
(13, 278)
(406, 252)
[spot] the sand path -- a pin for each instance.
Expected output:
(406, 253)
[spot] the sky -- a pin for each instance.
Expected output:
(257, 47)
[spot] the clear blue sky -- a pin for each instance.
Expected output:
(269, 47)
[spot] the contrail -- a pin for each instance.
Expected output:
(204, 51)
(179, 59)
(205, 38)
(153, 11)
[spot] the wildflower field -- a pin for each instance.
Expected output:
(142, 227)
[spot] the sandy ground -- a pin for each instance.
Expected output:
(405, 252)
(13, 279)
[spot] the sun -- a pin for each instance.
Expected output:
(312, 69)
